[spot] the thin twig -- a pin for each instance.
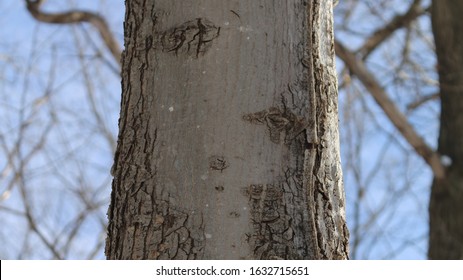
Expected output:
(424, 99)
(383, 33)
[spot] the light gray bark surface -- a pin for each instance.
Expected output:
(228, 145)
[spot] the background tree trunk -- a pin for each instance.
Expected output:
(228, 144)
(446, 205)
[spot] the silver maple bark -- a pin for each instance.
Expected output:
(228, 144)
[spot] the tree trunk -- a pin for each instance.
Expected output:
(228, 144)
(446, 205)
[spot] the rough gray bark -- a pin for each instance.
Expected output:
(446, 204)
(228, 145)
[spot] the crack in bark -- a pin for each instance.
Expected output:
(278, 121)
(218, 163)
(193, 37)
(276, 218)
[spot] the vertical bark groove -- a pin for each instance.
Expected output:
(328, 195)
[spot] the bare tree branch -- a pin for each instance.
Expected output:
(77, 16)
(399, 21)
(423, 100)
(357, 67)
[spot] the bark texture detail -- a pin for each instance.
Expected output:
(313, 181)
(278, 122)
(446, 203)
(192, 37)
(228, 145)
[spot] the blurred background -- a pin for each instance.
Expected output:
(59, 106)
